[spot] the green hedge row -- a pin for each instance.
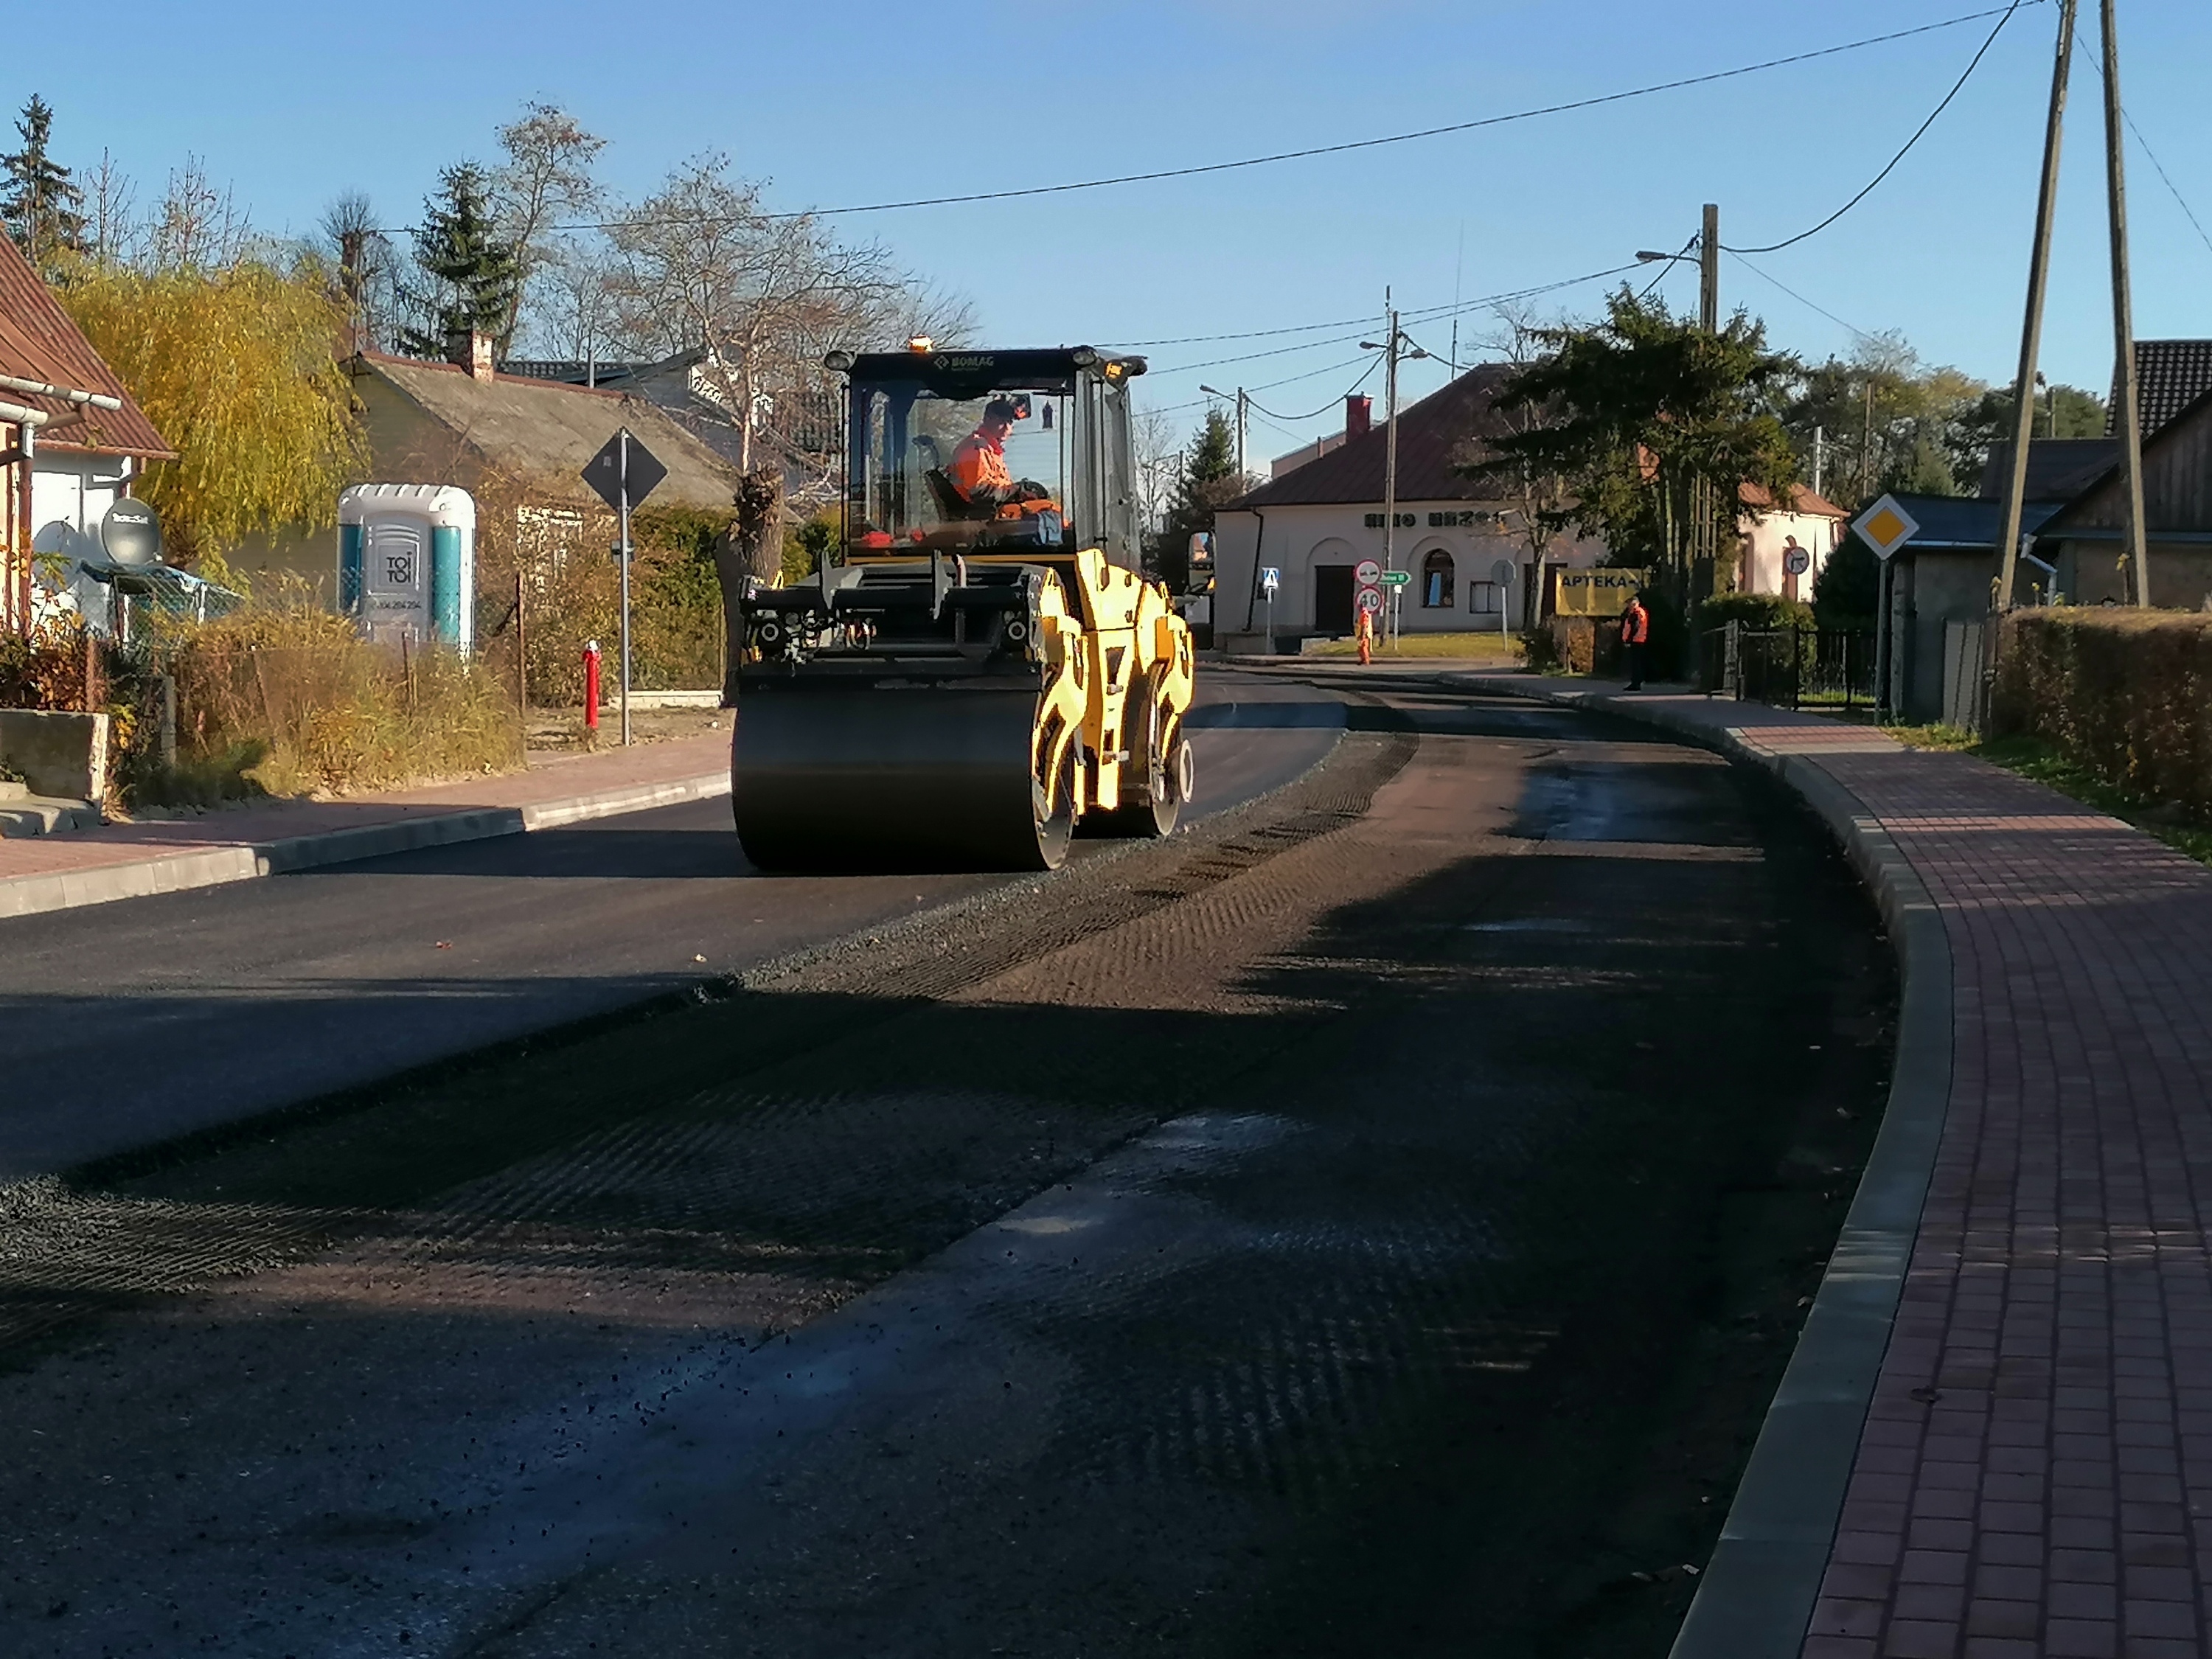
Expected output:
(2126, 695)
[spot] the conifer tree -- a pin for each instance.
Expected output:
(1209, 480)
(43, 209)
(473, 274)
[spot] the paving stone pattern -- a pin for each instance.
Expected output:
(2035, 1474)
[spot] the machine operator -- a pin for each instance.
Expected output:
(979, 467)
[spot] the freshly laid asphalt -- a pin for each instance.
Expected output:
(132, 1023)
(1371, 1224)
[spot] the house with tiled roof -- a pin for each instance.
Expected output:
(72, 438)
(463, 421)
(1460, 537)
(2170, 376)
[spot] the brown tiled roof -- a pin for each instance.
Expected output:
(38, 341)
(552, 429)
(2170, 376)
(1760, 499)
(1432, 434)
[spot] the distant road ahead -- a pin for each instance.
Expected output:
(129, 1023)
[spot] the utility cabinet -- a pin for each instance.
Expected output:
(407, 562)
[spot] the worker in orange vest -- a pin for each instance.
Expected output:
(1635, 638)
(979, 471)
(1364, 631)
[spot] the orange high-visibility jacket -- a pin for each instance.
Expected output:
(979, 467)
(1635, 624)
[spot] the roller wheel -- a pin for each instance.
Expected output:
(1166, 772)
(1053, 810)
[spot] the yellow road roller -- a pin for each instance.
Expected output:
(981, 671)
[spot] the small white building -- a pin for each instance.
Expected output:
(1461, 539)
(83, 459)
(1810, 524)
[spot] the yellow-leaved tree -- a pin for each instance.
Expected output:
(237, 367)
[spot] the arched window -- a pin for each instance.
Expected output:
(1437, 581)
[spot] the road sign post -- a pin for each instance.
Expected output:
(1271, 578)
(624, 472)
(1885, 527)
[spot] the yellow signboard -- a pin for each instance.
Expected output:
(1597, 592)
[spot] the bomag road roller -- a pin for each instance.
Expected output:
(979, 671)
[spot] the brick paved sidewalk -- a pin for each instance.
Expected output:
(126, 860)
(2034, 1472)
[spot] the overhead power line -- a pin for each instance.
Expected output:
(1596, 101)
(2150, 155)
(1431, 315)
(1768, 275)
(1972, 64)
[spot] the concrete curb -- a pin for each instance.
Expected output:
(176, 873)
(1756, 1597)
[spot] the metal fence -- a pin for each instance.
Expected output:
(1789, 667)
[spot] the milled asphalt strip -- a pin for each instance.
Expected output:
(1756, 1597)
(173, 873)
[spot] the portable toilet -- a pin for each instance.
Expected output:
(407, 562)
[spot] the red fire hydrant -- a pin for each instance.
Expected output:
(591, 685)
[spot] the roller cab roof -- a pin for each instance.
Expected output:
(966, 374)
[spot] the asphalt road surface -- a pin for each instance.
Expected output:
(1371, 1224)
(130, 1023)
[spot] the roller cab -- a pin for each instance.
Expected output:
(984, 672)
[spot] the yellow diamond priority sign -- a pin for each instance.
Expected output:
(1885, 527)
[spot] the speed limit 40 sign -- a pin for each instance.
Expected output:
(1371, 600)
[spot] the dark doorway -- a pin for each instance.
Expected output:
(1333, 599)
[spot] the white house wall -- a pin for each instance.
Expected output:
(1769, 536)
(1298, 538)
(69, 496)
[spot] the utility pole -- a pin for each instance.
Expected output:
(1820, 457)
(2129, 413)
(1705, 549)
(1242, 400)
(1708, 271)
(2031, 331)
(1390, 450)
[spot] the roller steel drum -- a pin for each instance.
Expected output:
(877, 775)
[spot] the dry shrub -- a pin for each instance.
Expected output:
(288, 700)
(45, 668)
(572, 590)
(2125, 694)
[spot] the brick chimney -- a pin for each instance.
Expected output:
(471, 348)
(1355, 417)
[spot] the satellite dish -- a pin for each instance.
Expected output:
(131, 534)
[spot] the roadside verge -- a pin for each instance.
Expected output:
(1756, 1597)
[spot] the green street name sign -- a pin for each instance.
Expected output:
(1397, 578)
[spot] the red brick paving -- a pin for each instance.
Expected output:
(553, 778)
(2034, 1477)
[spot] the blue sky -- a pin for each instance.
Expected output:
(290, 104)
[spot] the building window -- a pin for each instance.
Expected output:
(1437, 581)
(1484, 599)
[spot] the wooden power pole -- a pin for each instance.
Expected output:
(2128, 414)
(2031, 332)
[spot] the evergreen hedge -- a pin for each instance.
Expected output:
(2125, 694)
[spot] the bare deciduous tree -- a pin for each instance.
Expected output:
(368, 268)
(111, 219)
(547, 175)
(197, 226)
(760, 297)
